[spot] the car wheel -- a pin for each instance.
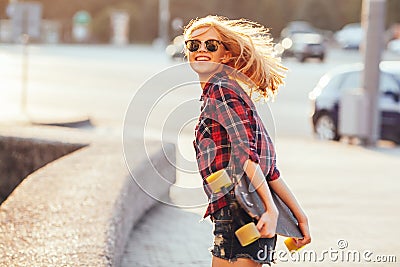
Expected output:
(325, 128)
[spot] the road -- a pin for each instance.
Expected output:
(100, 81)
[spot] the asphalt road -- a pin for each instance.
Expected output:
(101, 81)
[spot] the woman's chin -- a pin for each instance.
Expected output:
(205, 67)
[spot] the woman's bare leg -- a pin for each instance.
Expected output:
(241, 262)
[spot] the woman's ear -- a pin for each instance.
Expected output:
(227, 57)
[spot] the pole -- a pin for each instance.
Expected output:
(25, 42)
(163, 21)
(373, 21)
(24, 92)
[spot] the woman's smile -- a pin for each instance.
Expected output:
(202, 58)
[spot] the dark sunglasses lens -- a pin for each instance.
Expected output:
(193, 45)
(212, 45)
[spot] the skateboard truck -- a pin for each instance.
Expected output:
(221, 182)
(218, 181)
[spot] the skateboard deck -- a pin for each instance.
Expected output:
(250, 201)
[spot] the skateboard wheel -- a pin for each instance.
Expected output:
(291, 244)
(217, 180)
(247, 234)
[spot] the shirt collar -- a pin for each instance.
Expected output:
(213, 80)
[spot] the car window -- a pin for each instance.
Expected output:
(354, 80)
(351, 80)
(388, 84)
(331, 83)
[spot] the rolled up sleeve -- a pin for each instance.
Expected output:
(274, 174)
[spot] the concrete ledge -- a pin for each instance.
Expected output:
(22, 156)
(80, 209)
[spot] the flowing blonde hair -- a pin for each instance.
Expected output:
(252, 51)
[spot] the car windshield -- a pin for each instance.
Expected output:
(393, 68)
(387, 83)
(308, 38)
(396, 75)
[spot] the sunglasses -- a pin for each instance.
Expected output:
(194, 45)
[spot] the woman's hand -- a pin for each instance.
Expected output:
(305, 230)
(283, 191)
(267, 223)
(301, 242)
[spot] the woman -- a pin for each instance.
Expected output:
(230, 135)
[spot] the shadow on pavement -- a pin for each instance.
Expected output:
(84, 124)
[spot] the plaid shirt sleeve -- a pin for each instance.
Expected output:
(227, 108)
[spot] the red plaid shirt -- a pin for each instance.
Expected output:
(229, 131)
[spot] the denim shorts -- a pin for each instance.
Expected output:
(227, 246)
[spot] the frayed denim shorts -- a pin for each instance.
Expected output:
(227, 246)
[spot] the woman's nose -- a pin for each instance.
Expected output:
(202, 47)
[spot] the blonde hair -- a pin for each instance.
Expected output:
(252, 51)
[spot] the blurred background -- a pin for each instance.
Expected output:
(76, 60)
(50, 53)
(59, 19)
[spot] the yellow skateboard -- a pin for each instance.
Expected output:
(249, 200)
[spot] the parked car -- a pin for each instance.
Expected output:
(297, 26)
(394, 46)
(308, 45)
(350, 36)
(176, 48)
(326, 99)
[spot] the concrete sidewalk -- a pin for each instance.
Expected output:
(350, 193)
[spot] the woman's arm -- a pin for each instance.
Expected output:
(268, 221)
(282, 190)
